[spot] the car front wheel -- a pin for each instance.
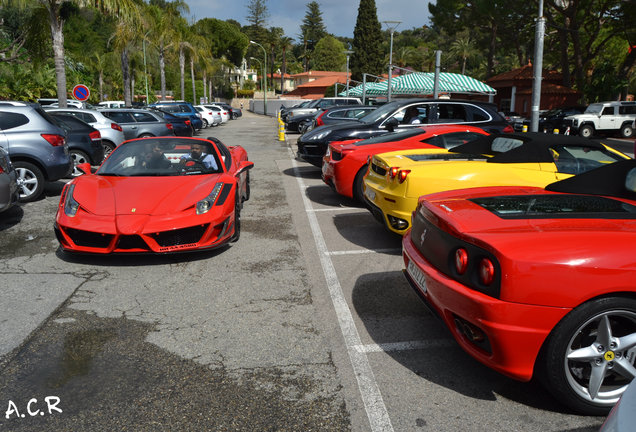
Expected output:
(30, 181)
(586, 131)
(589, 357)
(237, 221)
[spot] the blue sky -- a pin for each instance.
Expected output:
(339, 16)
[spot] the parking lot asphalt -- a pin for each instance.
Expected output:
(304, 324)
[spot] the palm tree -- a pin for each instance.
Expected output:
(122, 41)
(464, 48)
(125, 9)
(285, 43)
(162, 32)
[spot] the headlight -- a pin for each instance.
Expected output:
(70, 205)
(319, 136)
(206, 203)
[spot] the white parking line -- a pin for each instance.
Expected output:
(361, 210)
(405, 346)
(364, 251)
(367, 385)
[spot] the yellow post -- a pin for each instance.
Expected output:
(555, 131)
(525, 128)
(281, 129)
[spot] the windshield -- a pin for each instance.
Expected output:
(161, 157)
(594, 109)
(380, 113)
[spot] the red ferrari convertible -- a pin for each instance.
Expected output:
(345, 163)
(537, 282)
(156, 195)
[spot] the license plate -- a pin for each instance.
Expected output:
(370, 194)
(417, 275)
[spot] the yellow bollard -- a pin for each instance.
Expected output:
(281, 129)
(525, 128)
(555, 131)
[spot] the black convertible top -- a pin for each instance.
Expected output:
(616, 179)
(522, 147)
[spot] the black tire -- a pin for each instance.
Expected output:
(591, 340)
(247, 187)
(108, 148)
(358, 184)
(205, 123)
(78, 157)
(627, 131)
(237, 221)
(586, 131)
(30, 181)
(146, 135)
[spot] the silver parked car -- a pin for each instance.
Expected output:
(209, 117)
(36, 145)
(8, 182)
(112, 134)
(139, 123)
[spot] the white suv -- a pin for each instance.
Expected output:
(604, 117)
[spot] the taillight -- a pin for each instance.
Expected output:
(95, 135)
(508, 129)
(188, 122)
(116, 127)
(461, 260)
(393, 171)
(224, 113)
(486, 271)
(401, 176)
(169, 126)
(54, 140)
(319, 121)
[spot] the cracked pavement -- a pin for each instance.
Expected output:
(226, 340)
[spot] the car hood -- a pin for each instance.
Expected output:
(110, 196)
(338, 131)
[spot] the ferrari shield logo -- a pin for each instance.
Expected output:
(133, 209)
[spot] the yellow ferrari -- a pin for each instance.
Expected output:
(396, 180)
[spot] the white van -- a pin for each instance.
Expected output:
(112, 104)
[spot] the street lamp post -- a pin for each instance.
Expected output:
(348, 53)
(264, 76)
(391, 25)
(145, 70)
(538, 70)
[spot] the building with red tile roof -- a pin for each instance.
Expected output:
(514, 90)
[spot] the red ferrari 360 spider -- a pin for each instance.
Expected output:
(156, 195)
(537, 282)
(345, 162)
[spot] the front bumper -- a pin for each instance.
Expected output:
(8, 190)
(93, 234)
(514, 332)
(312, 151)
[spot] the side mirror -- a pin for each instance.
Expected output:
(391, 124)
(85, 168)
(244, 166)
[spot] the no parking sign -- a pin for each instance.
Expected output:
(81, 92)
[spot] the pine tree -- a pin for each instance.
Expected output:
(367, 54)
(312, 30)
